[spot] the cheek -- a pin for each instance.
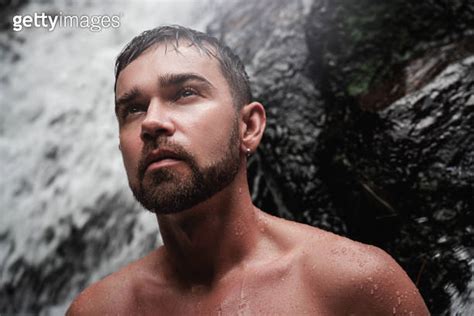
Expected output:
(212, 133)
(131, 149)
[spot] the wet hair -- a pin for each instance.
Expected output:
(230, 64)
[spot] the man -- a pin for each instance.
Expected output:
(187, 126)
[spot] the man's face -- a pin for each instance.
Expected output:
(179, 131)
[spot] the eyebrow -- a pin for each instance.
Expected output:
(168, 80)
(127, 97)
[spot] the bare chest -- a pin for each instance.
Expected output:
(280, 293)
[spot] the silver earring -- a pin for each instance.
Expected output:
(248, 152)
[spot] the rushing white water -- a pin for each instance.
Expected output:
(58, 140)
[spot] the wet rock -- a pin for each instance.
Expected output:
(399, 92)
(365, 45)
(416, 161)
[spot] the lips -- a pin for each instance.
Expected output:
(161, 157)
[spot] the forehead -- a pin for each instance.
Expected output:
(164, 59)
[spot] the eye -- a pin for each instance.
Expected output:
(185, 93)
(133, 109)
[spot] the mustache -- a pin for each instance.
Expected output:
(179, 152)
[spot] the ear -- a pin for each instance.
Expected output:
(252, 126)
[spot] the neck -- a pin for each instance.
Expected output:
(205, 242)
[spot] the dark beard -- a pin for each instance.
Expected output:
(166, 191)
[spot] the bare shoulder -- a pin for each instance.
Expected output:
(351, 277)
(107, 296)
(364, 277)
(113, 295)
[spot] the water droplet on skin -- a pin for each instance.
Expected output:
(240, 190)
(376, 286)
(371, 291)
(239, 228)
(411, 313)
(394, 311)
(370, 279)
(399, 299)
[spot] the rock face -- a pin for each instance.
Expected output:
(406, 181)
(370, 126)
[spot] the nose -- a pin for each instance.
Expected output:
(157, 122)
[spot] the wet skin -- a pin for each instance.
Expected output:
(223, 255)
